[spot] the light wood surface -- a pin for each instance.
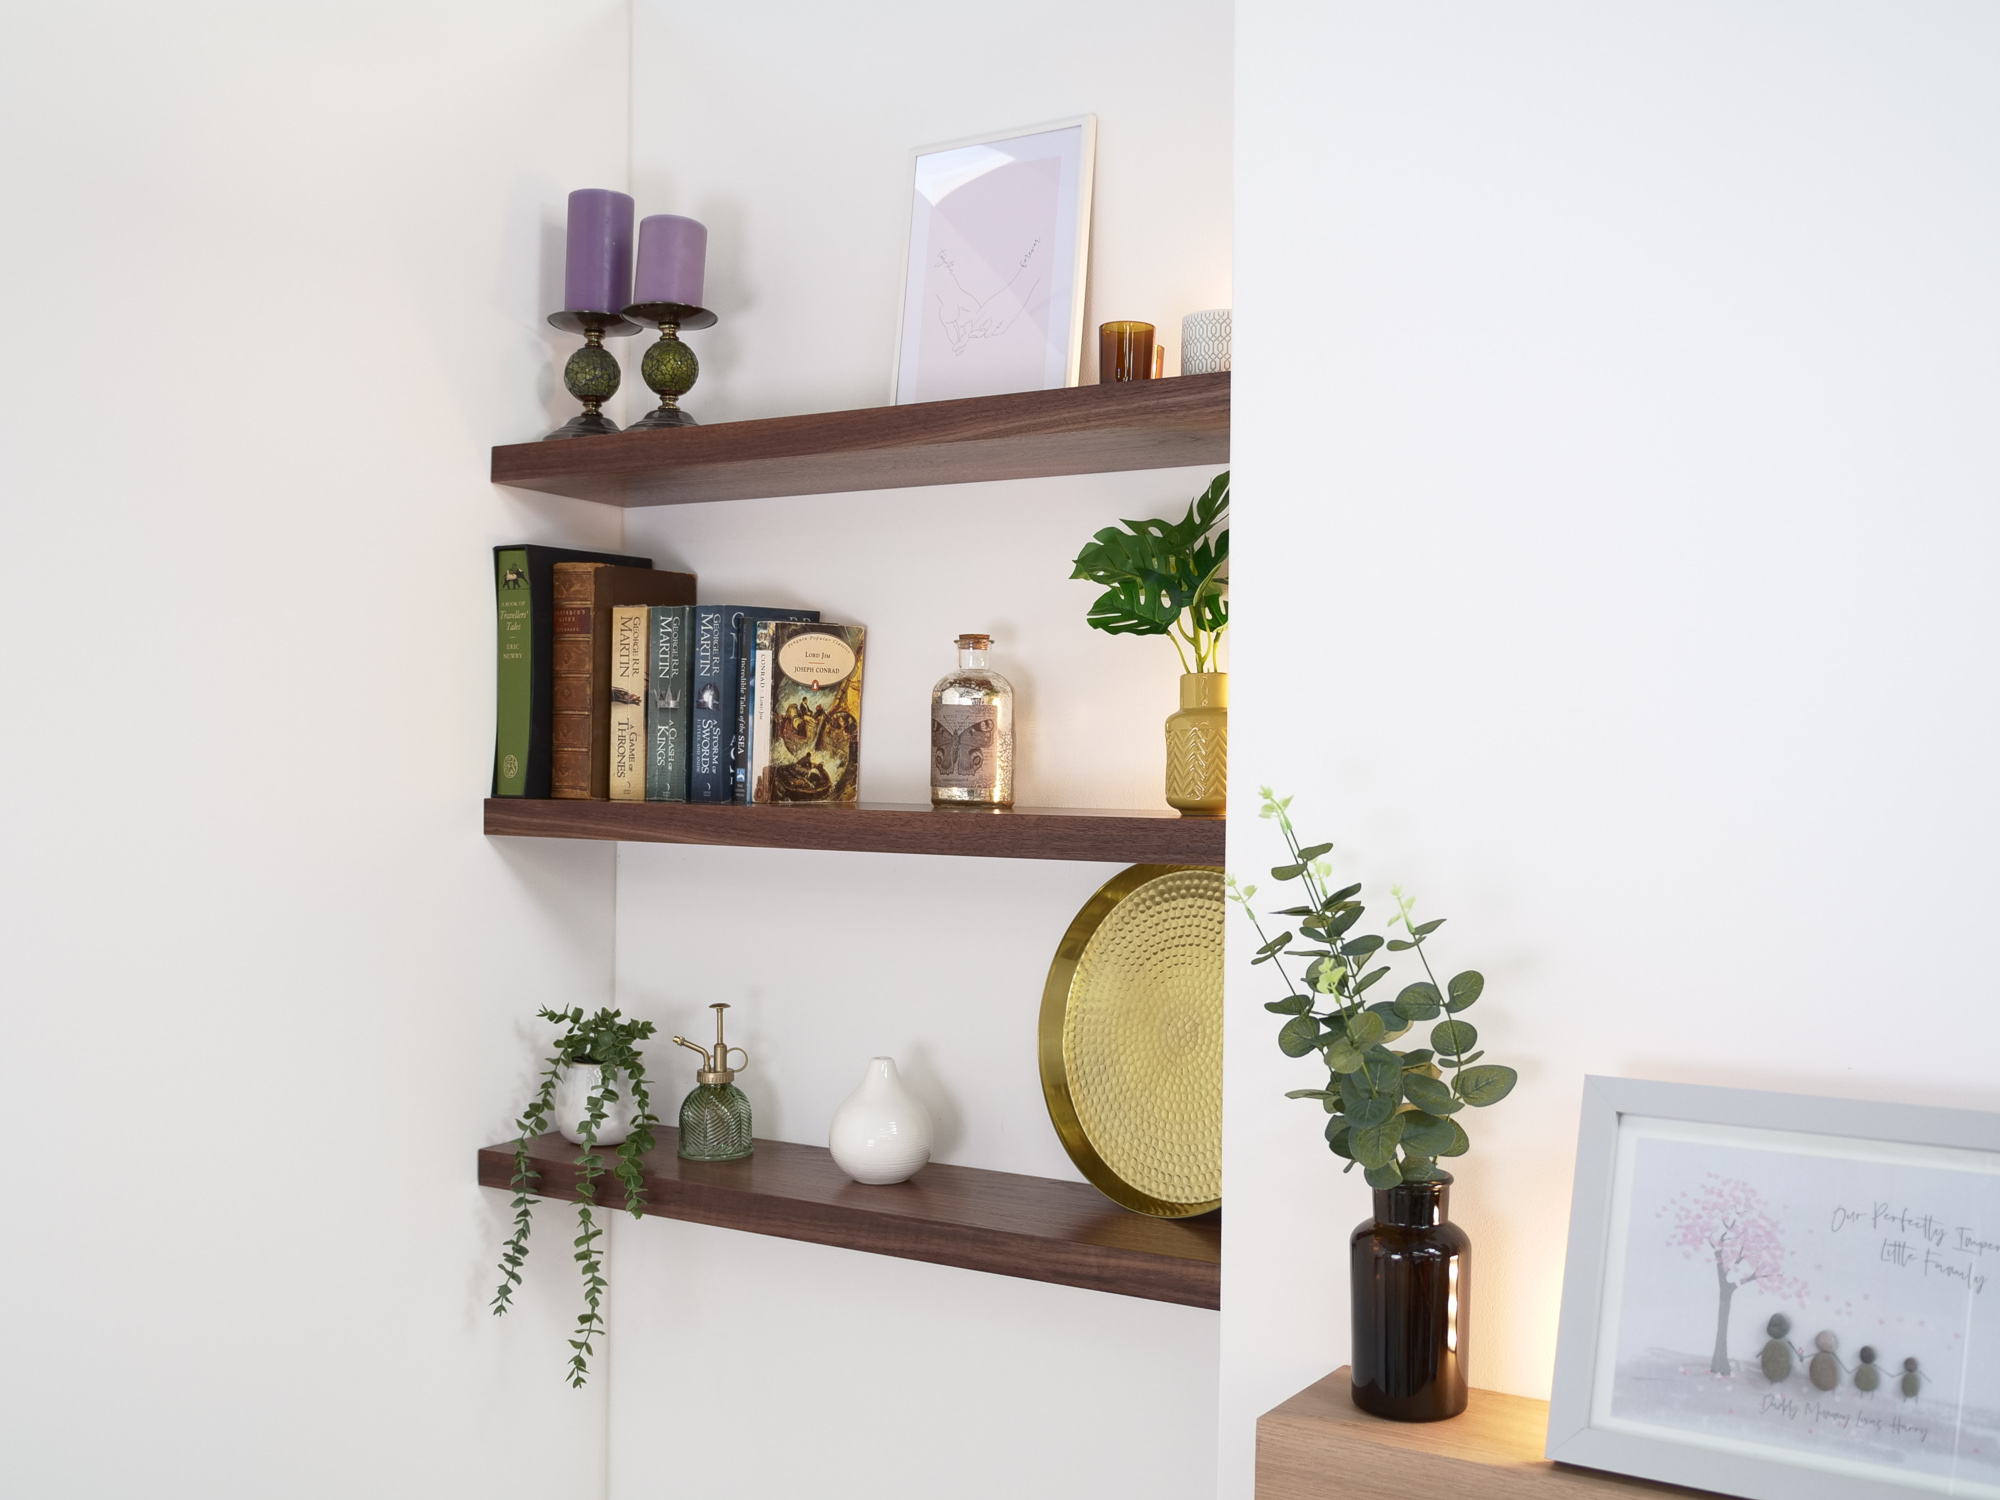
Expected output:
(1085, 429)
(1032, 1227)
(1320, 1446)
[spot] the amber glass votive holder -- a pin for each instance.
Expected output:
(1124, 352)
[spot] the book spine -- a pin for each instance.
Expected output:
(667, 704)
(571, 684)
(760, 730)
(627, 779)
(739, 747)
(515, 699)
(712, 710)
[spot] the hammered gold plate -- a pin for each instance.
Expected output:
(1131, 1040)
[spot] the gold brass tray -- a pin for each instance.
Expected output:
(1131, 1040)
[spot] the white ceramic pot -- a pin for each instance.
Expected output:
(573, 1091)
(883, 1132)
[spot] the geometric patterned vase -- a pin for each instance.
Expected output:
(1198, 747)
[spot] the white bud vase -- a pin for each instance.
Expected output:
(573, 1091)
(882, 1133)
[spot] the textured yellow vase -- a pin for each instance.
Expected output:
(1198, 746)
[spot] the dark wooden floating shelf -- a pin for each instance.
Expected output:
(1084, 429)
(1018, 833)
(1010, 1225)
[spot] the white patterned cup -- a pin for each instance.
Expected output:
(1205, 342)
(882, 1133)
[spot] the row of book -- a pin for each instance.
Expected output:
(614, 683)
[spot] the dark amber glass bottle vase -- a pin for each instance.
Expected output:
(1411, 1269)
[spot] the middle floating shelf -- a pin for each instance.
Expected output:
(877, 828)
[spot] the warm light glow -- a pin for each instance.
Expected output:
(1451, 1308)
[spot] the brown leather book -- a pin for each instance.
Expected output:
(585, 595)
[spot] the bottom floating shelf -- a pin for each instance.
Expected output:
(1321, 1446)
(1010, 1225)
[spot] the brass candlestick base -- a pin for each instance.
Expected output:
(592, 372)
(669, 368)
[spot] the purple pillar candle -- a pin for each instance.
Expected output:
(597, 267)
(672, 253)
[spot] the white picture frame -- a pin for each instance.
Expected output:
(996, 260)
(1875, 1223)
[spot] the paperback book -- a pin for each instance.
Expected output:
(666, 692)
(629, 637)
(740, 639)
(806, 737)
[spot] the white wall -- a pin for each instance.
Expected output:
(766, 1364)
(276, 280)
(1635, 491)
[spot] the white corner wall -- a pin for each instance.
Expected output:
(769, 1366)
(1614, 435)
(276, 279)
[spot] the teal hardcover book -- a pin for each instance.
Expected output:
(667, 701)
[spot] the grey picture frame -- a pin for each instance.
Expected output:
(1572, 1439)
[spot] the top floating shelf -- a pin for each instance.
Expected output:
(1084, 429)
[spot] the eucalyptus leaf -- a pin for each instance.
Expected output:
(1362, 946)
(1298, 1036)
(1420, 1001)
(1429, 1095)
(1348, 893)
(1383, 1178)
(1425, 929)
(1486, 1085)
(1375, 1145)
(1367, 979)
(1316, 851)
(1418, 1057)
(1464, 989)
(1425, 1134)
(1453, 1038)
(1460, 1143)
(1336, 1137)
(1277, 944)
(1342, 1057)
(1310, 1094)
(1365, 1029)
(1339, 921)
(1287, 872)
(1398, 945)
(1420, 1169)
(1372, 1110)
(1293, 1005)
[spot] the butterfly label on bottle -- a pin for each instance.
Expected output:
(963, 750)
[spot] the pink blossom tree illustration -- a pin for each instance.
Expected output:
(1726, 1221)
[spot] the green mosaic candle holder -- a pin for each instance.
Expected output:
(592, 372)
(669, 368)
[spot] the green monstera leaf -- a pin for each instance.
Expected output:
(1152, 571)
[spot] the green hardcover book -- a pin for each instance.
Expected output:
(667, 669)
(524, 591)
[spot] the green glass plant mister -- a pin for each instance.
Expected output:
(715, 1116)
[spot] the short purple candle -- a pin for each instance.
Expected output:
(672, 253)
(597, 267)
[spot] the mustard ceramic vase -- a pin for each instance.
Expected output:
(1198, 746)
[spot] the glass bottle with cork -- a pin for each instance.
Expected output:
(972, 732)
(715, 1116)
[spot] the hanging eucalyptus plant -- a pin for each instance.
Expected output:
(1166, 577)
(610, 1043)
(1391, 1113)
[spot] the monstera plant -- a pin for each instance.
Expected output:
(1165, 577)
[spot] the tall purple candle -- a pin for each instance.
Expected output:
(672, 253)
(597, 267)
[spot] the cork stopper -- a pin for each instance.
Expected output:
(975, 643)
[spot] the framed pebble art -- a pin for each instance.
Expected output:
(1776, 1296)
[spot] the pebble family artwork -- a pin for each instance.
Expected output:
(1787, 1292)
